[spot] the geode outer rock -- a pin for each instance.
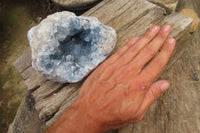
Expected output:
(66, 48)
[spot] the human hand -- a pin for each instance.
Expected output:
(121, 89)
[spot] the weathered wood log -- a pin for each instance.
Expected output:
(194, 16)
(128, 18)
(169, 5)
(52, 98)
(27, 118)
(177, 111)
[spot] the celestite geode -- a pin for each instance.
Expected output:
(66, 48)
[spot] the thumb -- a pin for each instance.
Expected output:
(155, 91)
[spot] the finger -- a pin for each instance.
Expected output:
(153, 69)
(122, 50)
(145, 55)
(150, 50)
(131, 53)
(107, 68)
(135, 49)
(155, 91)
(116, 55)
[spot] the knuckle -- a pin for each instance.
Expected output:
(168, 49)
(124, 59)
(135, 48)
(150, 50)
(153, 95)
(122, 50)
(159, 62)
(132, 67)
(149, 35)
(129, 68)
(149, 72)
(121, 74)
(141, 84)
(117, 55)
(161, 36)
(125, 71)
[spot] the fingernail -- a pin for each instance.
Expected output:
(166, 27)
(164, 86)
(171, 40)
(155, 28)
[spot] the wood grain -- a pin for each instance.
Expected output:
(129, 18)
(177, 111)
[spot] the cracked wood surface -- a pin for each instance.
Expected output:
(128, 18)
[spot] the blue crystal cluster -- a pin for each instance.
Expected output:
(66, 49)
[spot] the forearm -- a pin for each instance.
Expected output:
(73, 121)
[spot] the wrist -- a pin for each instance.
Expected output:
(75, 120)
(81, 120)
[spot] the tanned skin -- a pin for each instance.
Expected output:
(122, 88)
